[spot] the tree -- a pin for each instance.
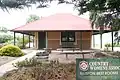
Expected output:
(5, 38)
(104, 13)
(32, 18)
(20, 4)
(3, 29)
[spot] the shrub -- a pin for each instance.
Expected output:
(110, 45)
(11, 50)
(52, 70)
(27, 63)
(1, 78)
(107, 45)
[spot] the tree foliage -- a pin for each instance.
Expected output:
(20, 4)
(5, 38)
(32, 18)
(3, 29)
(9, 4)
(103, 13)
(117, 37)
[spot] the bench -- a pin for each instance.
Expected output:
(68, 46)
(78, 52)
(67, 49)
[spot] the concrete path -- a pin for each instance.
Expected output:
(8, 66)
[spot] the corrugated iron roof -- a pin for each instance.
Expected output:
(57, 22)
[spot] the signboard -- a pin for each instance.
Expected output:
(98, 69)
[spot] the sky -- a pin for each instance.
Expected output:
(16, 18)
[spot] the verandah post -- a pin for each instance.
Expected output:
(46, 39)
(23, 41)
(93, 41)
(14, 38)
(100, 39)
(112, 40)
(81, 41)
(33, 41)
(29, 40)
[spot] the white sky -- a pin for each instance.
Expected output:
(16, 18)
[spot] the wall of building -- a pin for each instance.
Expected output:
(53, 39)
(36, 40)
(86, 39)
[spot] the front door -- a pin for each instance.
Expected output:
(41, 40)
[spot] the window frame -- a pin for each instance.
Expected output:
(67, 35)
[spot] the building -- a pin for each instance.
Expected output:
(59, 29)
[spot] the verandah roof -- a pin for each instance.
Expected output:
(57, 22)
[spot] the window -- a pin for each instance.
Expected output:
(68, 36)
